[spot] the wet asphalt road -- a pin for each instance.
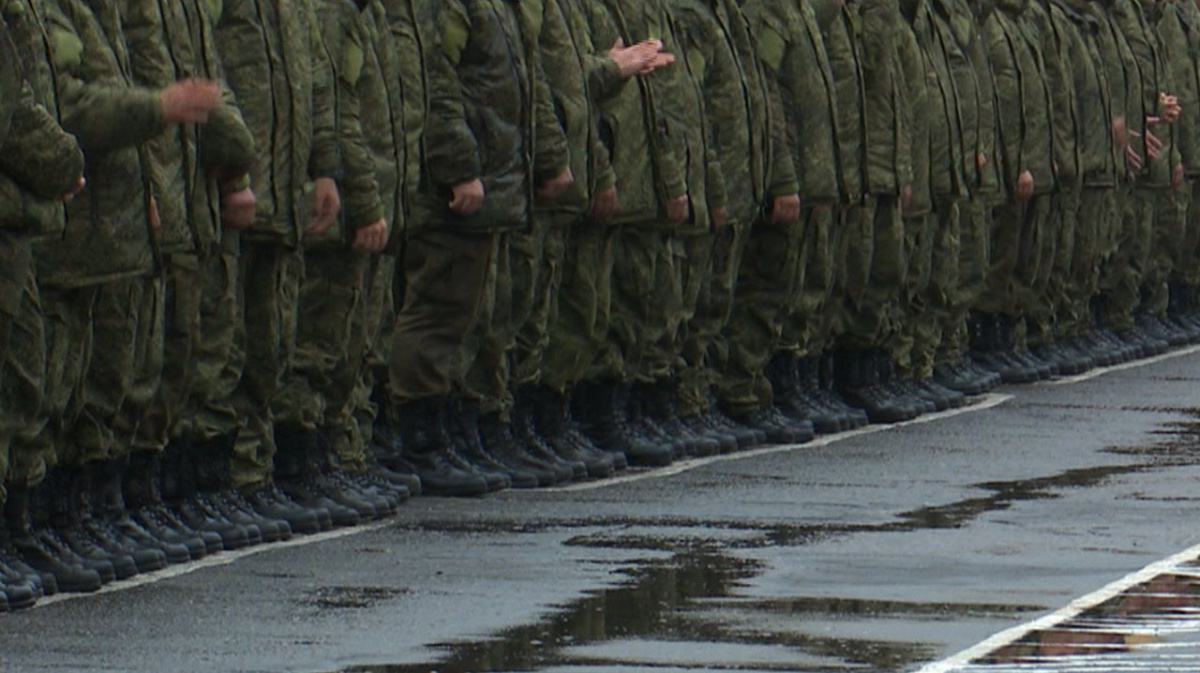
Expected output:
(879, 551)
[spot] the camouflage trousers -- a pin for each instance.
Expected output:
(579, 348)
(875, 269)
(352, 430)
(1087, 250)
(1189, 270)
(974, 255)
(768, 285)
(22, 387)
(104, 362)
(1122, 276)
(329, 347)
(813, 321)
(1058, 250)
(1167, 249)
(270, 274)
(916, 325)
(1018, 264)
(705, 342)
(520, 284)
(217, 354)
(646, 303)
(445, 289)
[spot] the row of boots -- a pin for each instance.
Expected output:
(85, 526)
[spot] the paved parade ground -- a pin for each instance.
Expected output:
(1048, 527)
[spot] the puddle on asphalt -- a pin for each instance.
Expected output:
(673, 612)
(668, 604)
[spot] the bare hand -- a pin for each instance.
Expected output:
(1170, 107)
(326, 207)
(906, 193)
(604, 205)
(1024, 190)
(239, 208)
(80, 183)
(981, 160)
(468, 197)
(785, 209)
(678, 209)
(720, 217)
(1177, 176)
(1133, 159)
(372, 238)
(155, 221)
(189, 101)
(1153, 145)
(640, 59)
(556, 186)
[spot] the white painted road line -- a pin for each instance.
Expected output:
(1096, 373)
(962, 660)
(983, 403)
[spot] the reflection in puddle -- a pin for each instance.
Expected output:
(1156, 615)
(658, 607)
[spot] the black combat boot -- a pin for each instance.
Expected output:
(426, 451)
(181, 493)
(849, 416)
(526, 432)
(66, 569)
(501, 443)
(296, 475)
(746, 437)
(552, 420)
(110, 520)
(69, 514)
(575, 427)
(860, 387)
(597, 406)
(212, 460)
(463, 417)
(143, 499)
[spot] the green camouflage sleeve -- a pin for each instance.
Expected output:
(1009, 111)
(38, 154)
(551, 156)
(226, 143)
(451, 150)
(325, 160)
(22, 211)
(102, 114)
(341, 33)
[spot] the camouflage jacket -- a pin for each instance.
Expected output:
(490, 117)
(1023, 104)
(842, 50)
(636, 126)
(1177, 30)
(925, 108)
(1057, 44)
(347, 37)
(887, 123)
(277, 65)
(789, 44)
(741, 104)
(411, 26)
(572, 62)
(108, 234)
(1154, 77)
(170, 40)
(382, 108)
(1094, 109)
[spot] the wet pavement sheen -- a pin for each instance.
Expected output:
(886, 551)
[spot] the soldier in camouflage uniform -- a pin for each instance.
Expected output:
(102, 304)
(750, 138)
(476, 190)
(314, 413)
(568, 320)
(203, 172)
(653, 184)
(290, 113)
(1019, 225)
(40, 166)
